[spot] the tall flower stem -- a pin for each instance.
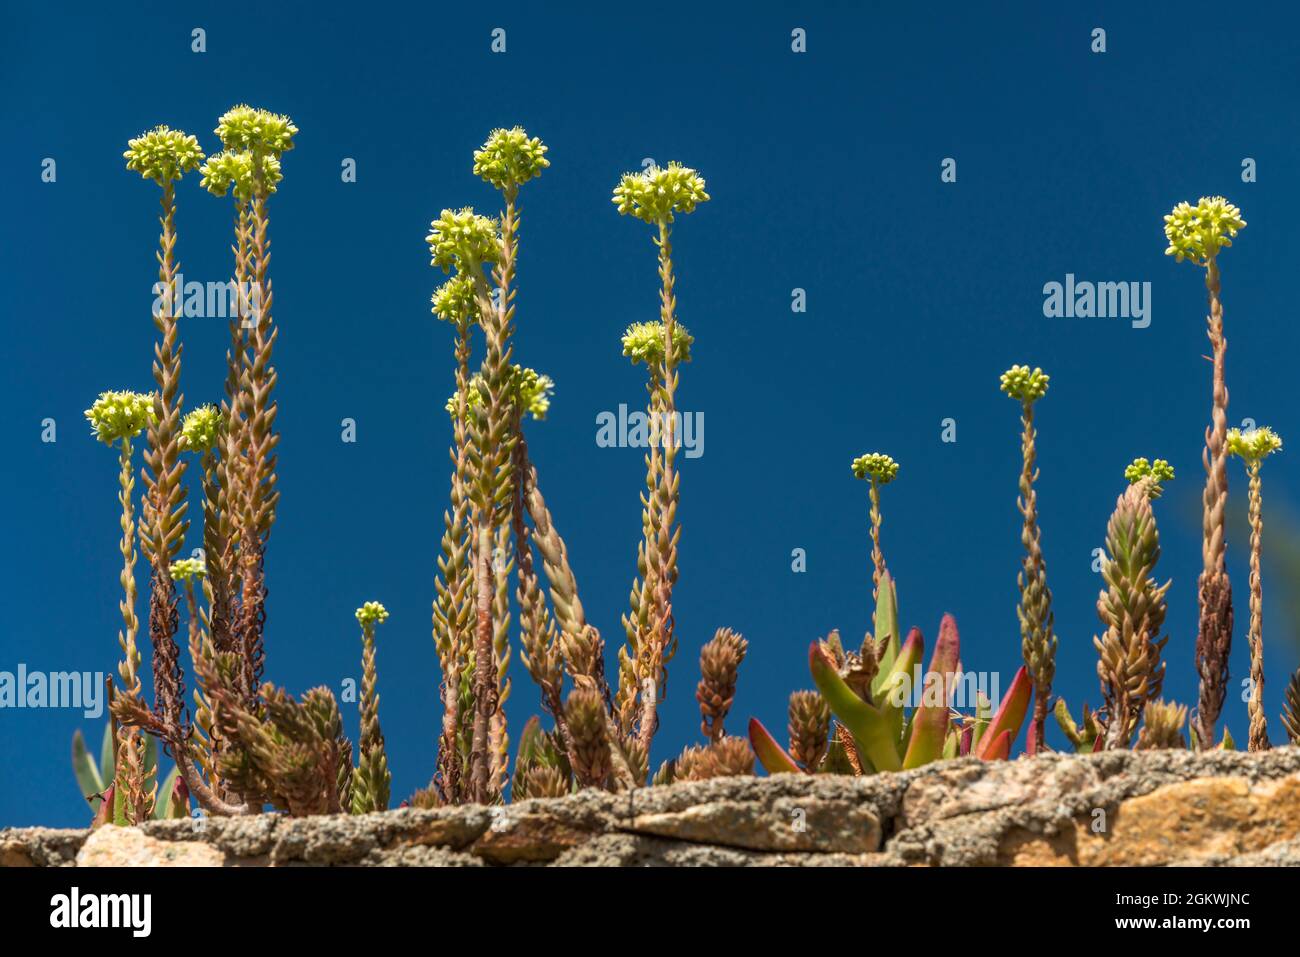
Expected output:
(491, 442)
(1258, 740)
(655, 196)
(371, 781)
(1253, 447)
(877, 556)
(130, 744)
(117, 417)
(1037, 632)
(455, 587)
(223, 578)
(663, 640)
(164, 477)
(1038, 644)
(1214, 638)
(880, 470)
(258, 411)
(1197, 234)
(640, 623)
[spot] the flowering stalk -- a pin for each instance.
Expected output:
(257, 139)
(454, 302)
(371, 780)
(881, 470)
(654, 196)
(1037, 632)
(1197, 234)
(462, 239)
(164, 156)
(1252, 447)
(644, 342)
(201, 433)
(118, 417)
(231, 172)
(1132, 607)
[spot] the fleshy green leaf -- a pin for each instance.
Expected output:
(772, 756)
(951, 745)
(119, 808)
(930, 723)
(886, 629)
(890, 697)
(1011, 713)
(868, 725)
(162, 808)
(83, 766)
(108, 755)
(998, 748)
(983, 714)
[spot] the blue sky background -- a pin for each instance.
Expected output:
(824, 172)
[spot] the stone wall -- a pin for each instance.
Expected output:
(1118, 808)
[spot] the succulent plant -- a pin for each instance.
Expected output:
(118, 417)
(1197, 234)
(1037, 624)
(95, 780)
(655, 196)
(720, 661)
(1253, 447)
(1088, 735)
(1162, 726)
(1132, 607)
(809, 728)
(867, 693)
(371, 780)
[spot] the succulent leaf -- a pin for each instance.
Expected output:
(1011, 713)
(772, 756)
(83, 766)
(870, 728)
(929, 728)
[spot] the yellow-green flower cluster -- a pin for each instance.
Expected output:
(1253, 445)
(258, 131)
(1025, 384)
(187, 568)
(370, 613)
(531, 392)
(463, 239)
(655, 194)
(233, 169)
(644, 342)
(1199, 232)
(200, 428)
(454, 301)
(163, 155)
(1159, 471)
(118, 415)
(877, 466)
(510, 157)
